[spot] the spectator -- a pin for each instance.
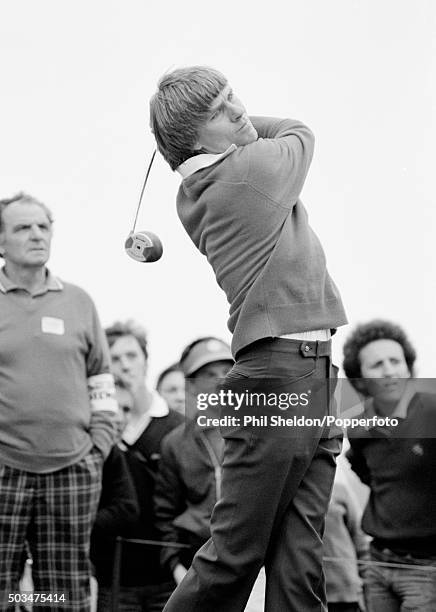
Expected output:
(145, 587)
(344, 544)
(57, 413)
(189, 479)
(117, 510)
(125, 404)
(171, 385)
(398, 464)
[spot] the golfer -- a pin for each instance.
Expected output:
(239, 203)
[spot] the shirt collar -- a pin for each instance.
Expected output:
(400, 410)
(159, 407)
(203, 160)
(51, 283)
(157, 410)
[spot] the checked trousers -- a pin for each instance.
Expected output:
(54, 512)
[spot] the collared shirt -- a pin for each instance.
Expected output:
(203, 160)
(158, 409)
(51, 284)
(50, 343)
(400, 411)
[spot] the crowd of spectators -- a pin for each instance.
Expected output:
(87, 443)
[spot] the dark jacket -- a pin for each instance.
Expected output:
(186, 491)
(140, 565)
(117, 509)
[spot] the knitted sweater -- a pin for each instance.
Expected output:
(50, 343)
(244, 214)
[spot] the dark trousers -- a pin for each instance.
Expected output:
(344, 606)
(275, 491)
(150, 598)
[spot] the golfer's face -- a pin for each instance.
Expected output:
(227, 124)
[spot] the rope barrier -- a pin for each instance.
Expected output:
(426, 568)
(430, 568)
(156, 543)
(120, 541)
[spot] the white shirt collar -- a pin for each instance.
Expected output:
(198, 162)
(157, 410)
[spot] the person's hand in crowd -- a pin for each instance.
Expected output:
(179, 573)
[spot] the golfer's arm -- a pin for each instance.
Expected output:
(280, 159)
(270, 127)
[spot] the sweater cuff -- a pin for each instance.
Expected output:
(103, 431)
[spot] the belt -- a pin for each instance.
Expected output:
(316, 349)
(379, 547)
(306, 348)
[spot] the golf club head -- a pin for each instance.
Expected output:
(143, 246)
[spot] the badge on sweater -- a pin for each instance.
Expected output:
(51, 325)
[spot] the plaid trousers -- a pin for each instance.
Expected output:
(54, 512)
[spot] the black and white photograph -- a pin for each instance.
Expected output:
(217, 296)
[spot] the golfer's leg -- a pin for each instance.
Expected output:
(255, 472)
(294, 577)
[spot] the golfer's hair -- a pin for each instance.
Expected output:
(179, 108)
(24, 198)
(362, 335)
(127, 328)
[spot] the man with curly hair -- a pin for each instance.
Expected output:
(398, 464)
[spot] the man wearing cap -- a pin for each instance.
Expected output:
(57, 414)
(239, 201)
(189, 481)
